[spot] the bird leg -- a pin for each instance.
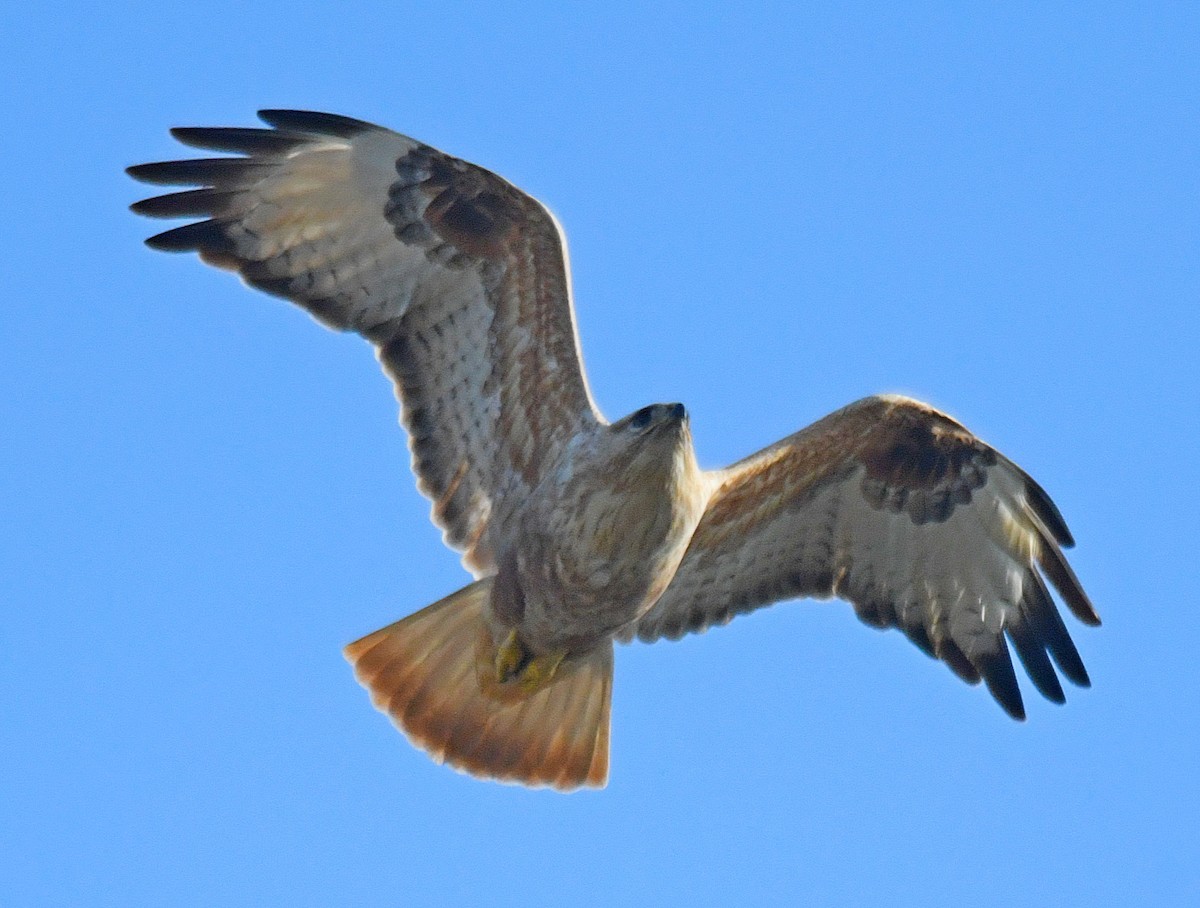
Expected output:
(515, 663)
(510, 657)
(539, 670)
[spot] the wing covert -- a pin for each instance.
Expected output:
(458, 279)
(900, 510)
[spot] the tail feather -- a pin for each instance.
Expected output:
(432, 673)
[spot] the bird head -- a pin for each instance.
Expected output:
(651, 442)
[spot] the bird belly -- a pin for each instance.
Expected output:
(594, 556)
(574, 603)
(578, 617)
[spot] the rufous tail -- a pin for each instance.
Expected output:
(434, 674)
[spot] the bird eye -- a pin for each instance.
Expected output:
(641, 419)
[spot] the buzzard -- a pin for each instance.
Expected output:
(581, 532)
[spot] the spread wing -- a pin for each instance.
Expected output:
(459, 280)
(900, 510)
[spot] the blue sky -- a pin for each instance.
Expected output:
(772, 212)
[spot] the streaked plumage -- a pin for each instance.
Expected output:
(579, 531)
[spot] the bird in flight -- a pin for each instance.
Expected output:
(581, 532)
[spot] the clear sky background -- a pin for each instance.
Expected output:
(772, 212)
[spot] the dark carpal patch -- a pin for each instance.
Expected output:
(925, 470)
(459, 214)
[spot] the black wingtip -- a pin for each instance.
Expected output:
(311, 121)
(1047, 624)
(167, 241)
(202, 236)
(1001, 680)
(1048, 513)
(238, 139)
(1059, 573)
(948, 651)
(192, 203)
(227, 173)
(144, 173)
(1031, 650)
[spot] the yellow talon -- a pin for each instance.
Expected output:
(539, 670)
(514, 663)
(509, 657)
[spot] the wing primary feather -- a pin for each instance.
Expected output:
(227, 173)
(188, 204)
(1059, 573)
(1047, 511)
(239, 139)
(918, 635)
(207, 237)
(997, 670)
(1046, 622)
(948, 651)
(1032, 652)
(309, 121)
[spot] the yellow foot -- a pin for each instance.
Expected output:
(510, 656)
(514, 663)
(539, 670)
